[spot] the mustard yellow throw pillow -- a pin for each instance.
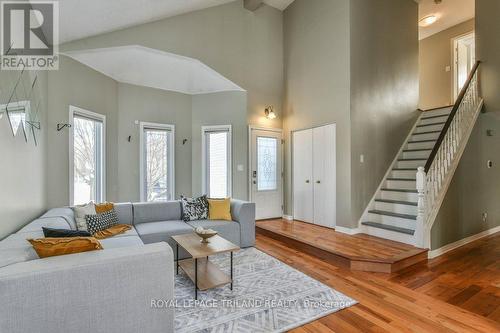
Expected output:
(49, 247)
(104, 207)
(219, 209)
(112, 231)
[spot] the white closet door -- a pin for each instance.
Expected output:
(302, 176)
(324, 171)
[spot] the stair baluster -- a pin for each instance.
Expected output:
(433, 180)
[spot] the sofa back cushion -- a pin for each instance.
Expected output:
(145, 212)
(56, 222)
(124, 212)
(66, 213)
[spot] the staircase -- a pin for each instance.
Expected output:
(408, 199)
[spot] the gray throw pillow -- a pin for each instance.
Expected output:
(194, 209)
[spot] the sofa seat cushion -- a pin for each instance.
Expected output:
(117, 242)
(227, 229)
(155, 232)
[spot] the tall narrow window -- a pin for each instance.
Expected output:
(87, 156)
(157, 162)
(217, 161)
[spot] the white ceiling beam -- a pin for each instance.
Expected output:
(252, 5)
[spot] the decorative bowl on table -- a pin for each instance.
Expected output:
(205, 234)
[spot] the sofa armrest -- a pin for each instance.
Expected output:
(99, 291)
(243, 212)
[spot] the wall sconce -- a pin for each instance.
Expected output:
(269, 112)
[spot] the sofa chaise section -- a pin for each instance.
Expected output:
(99, 291)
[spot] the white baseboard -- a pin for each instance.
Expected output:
(348, 231)
(452, 246)
(288, 217)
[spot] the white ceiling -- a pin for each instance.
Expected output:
(85, 18)
(147, 67)
(449, 13)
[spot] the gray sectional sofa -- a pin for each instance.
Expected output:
(109, 290)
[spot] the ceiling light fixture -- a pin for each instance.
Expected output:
(427, 21)
(269, 112)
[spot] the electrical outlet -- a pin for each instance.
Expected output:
(485, 217)
(361, 158)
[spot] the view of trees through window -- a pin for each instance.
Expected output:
(86, 160)
(156, 168)
(217, 164)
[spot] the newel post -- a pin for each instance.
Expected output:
(421, 238)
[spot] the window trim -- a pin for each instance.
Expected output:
(204, 171)
(171, 164)
(77, 111)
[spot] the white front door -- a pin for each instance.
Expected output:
(266, 182)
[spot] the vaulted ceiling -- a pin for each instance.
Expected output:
(85, 18)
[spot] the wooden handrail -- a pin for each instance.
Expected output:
(451, 116)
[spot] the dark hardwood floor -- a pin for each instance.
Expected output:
(457, 292)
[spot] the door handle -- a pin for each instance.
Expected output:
(318, 182)
(307, 181)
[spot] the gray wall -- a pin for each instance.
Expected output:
(78, 85)
(317, 84)
(436, 52)
(384, 90)
(23, 167)
(246, 47)
(123, 104)
(475, 189)
(156, 106)
(488, 51)
(353, 63)
(226, 108)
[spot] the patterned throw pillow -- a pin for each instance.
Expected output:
(99, 222)
(194, 209)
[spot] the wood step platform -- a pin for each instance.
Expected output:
(358, 252)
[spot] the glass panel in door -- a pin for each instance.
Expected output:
(267, 169)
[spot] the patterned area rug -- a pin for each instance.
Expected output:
(267, 296)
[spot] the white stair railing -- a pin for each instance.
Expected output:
(433, 180)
